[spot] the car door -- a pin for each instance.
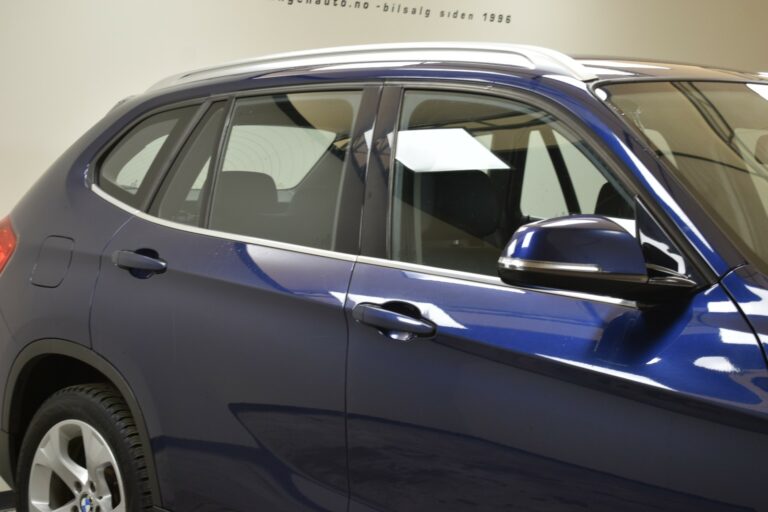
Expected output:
(222, 305)
(464, 393)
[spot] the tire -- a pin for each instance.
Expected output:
(82, 453)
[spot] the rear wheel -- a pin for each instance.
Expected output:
(82, 453)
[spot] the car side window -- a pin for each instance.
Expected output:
(556, 169)
(471, 169)
(123, 172)
(283, 167)
(185, 189)
(540, 180)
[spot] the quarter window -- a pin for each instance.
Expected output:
(125, 171)
(283, 165)
(470, 170)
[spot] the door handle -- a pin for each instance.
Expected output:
(142, 263)
(393, 324)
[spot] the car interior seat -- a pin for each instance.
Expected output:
(761, 150)
(612, 204)
(462, 217)
(242, 202)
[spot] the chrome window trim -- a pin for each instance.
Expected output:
(487, 280)
(325, 253)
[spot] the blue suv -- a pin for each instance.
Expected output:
(423, 277)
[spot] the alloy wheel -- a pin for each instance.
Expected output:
(75, 470)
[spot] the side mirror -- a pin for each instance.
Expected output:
(588, 254)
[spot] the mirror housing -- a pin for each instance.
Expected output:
(587, 254)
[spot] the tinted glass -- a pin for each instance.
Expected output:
(283, 165)
(540, 178)
(185, 190)
(714, 137)
(470, 170)
(124, 172)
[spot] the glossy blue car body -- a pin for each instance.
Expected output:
(255, 389)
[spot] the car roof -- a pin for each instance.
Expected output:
(533, 61)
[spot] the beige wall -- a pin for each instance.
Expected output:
(64, 63)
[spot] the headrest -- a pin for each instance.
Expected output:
(247, 191)
(612, 204)
(239, 197)
(464, 199)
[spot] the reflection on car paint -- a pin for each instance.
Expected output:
(696, 350)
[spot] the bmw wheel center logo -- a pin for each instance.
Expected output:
(86, 504)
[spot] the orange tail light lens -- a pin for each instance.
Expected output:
(7, 241)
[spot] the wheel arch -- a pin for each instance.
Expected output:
(18, 385)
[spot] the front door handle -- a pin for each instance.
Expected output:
(142, 263)
(395, 325)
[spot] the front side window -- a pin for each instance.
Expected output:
(470, 170)
(124, 171)
(282, 168)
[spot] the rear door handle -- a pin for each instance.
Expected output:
(142, 263)
(393, 324)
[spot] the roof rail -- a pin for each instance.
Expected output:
(530, 57)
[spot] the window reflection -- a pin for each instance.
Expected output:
(472, 169)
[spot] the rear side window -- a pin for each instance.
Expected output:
(283, 167)
(124, 172)
(185, 190)
(271, 148)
